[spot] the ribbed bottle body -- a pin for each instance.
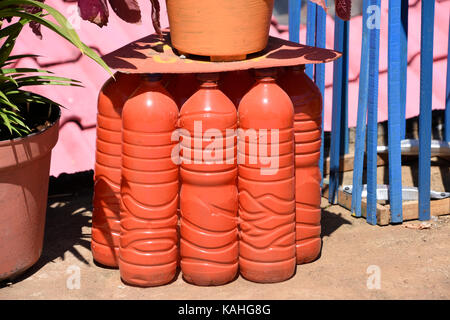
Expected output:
(209, 197)
(106, 201)
(266, 183)
(307, 102)
(148, 252)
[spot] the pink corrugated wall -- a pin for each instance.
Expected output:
(75, 149)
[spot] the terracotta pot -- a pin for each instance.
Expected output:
(24, 176)
(225, 30)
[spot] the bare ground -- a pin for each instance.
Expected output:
(413, 264)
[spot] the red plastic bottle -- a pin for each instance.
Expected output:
(148, 252)
(209, 196)
(307, 102)
(182, 86)
(266, 182)
(106, 202)
(235, 84)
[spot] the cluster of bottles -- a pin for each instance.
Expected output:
(156, 210)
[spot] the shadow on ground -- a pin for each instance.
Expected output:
(331, 222)
(68, 212)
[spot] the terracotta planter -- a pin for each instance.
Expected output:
(24, 176)
(225, 30)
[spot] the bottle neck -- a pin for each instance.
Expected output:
(297, 69)
(265, 79)
(265, 75)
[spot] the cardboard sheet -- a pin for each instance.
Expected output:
(151, 55)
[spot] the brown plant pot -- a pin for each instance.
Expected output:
(24, 176)
(225, 30)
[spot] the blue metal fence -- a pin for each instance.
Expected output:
(426, 89)
(395, 119)
(368, 99)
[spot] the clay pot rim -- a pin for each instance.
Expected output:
(15, 140)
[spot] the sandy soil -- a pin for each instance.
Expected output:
(412, 264)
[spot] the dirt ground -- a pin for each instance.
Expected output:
(409, 263)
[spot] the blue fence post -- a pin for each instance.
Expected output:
(295, 8)
(394, 113)
(310, 32)
(426, 87)
(361, 117)
(447, 95)
(345, 61)
(404, 63)
(338, 105)
(372, 126)
(319, 76)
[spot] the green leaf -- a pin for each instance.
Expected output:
(14, 59)
(23, 70)
(21, 81)
(64, 24)
(6, 79)
(47, 80)
(21, 56)
(64, 29)
(94, 56)
(4, 100)
(21, 96)
(12, 98)
(9, 43)
(6, 122)
(16, 118)
(8, 30)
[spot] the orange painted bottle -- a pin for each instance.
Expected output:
(148, 252)
(235, 84)
(209, 196)
(182, 86)
(106, 201)
(307, 101)
(266, 182)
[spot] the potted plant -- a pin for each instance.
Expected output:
(28, 132)
(221, 29)
(224, 30)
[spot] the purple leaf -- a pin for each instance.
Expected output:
(344, 9)
(95, 11)
(155, 17)
(127, 10)
(36, 27)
